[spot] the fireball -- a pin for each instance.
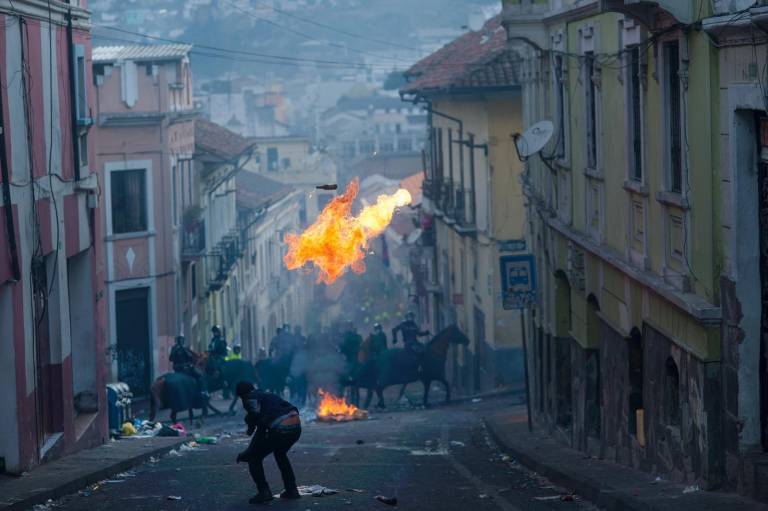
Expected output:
(337, 240)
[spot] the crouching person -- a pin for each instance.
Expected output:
(277, 426)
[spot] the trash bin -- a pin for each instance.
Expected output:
(118, 404)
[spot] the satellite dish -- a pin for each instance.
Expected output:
(533, 140)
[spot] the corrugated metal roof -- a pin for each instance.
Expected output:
(140, 52)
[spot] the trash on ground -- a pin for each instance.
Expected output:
(153, 459)
(548, 497)
(483, 496)
(430, 452)
(128, 429)
(180, 428)
(173, 497)
(456, 443)
(390, 501)
(124, 475)
(189, 446)
(210, 440)
(113, 481)
(359, 442)
(477, 400)
(692, 489)
(174, 452)
(355, 490)
(504, 457)
(316, 490)
(44, 507)
(568, 497)
(657, 480)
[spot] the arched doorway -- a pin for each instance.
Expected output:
(593, 400)
(635, 360)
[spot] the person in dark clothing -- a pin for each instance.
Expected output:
(277, 427)
(378, 341)
(218, 345)
(411, 333)
(183, 360)
(350, 346)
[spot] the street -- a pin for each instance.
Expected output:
(440, 458)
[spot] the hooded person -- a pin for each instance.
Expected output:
(277, 427)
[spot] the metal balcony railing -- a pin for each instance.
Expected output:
(221, 261)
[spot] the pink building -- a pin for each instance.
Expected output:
(52, 368)
(145, 140)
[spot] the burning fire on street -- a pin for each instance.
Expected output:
(337, 240)
(335, 409)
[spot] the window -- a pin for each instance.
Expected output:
(129, 201)
(367, 147)
(405, 144)
(560, 105)
(635, 120)
(387, 147)
(272, 158)
(591, 113)
(286, 163)
(81, 98)
(674, 115)
(348, 150)
(174, 195)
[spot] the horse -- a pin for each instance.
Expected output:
(402, 366)
(179, 391)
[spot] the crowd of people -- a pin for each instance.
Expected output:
(332, 351)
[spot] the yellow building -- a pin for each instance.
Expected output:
(621, 208)
(473, 208)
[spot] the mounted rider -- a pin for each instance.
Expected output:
(411, 333)
(217, 350)
(184, 360)
(374, 345)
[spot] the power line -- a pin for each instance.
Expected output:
(309, 37)
(334, 29)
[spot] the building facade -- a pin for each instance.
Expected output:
(623, 210)
(145, 141)
(52, 366)
(271, 296)
(472, 199)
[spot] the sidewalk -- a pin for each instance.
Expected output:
(608, 485)
(74, 472)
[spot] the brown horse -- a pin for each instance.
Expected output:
(403, 366)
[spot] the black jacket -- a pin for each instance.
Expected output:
(264, 408)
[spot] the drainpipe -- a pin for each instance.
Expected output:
(73, 95)
(9, 224)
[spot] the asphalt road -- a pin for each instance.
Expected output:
(436, 459)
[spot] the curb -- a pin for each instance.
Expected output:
(70, 487)
(592, 490)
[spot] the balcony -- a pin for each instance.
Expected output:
(463, 211)
(220, 262)
(193, 241)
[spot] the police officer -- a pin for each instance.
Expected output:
(278, 426)
(218, 345)
(411, 333)
(183, 360)
(236, 353)
(377, 341)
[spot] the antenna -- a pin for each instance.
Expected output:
(533, 140)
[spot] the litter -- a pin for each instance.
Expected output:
(44, 507)
(174, 452)
(504, 457)
(152, 459)
(124, 475)
(113, 481)
(567, 498)
(180, 428)
(173, 497)
(657, 480)
(477, 400)
(456, 443)
(210, 440)
(483, 496)
(549, 497)
(390, 501)
(359, 442)
(189, 446)
(128, 429)
(430, 452)
(692, 489)
(355, 490)
(316, 490)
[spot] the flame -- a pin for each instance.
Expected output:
(332, 408)
(337, 240)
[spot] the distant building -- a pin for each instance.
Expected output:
(362, 127)
(52, 348)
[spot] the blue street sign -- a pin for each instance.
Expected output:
(518, 281)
